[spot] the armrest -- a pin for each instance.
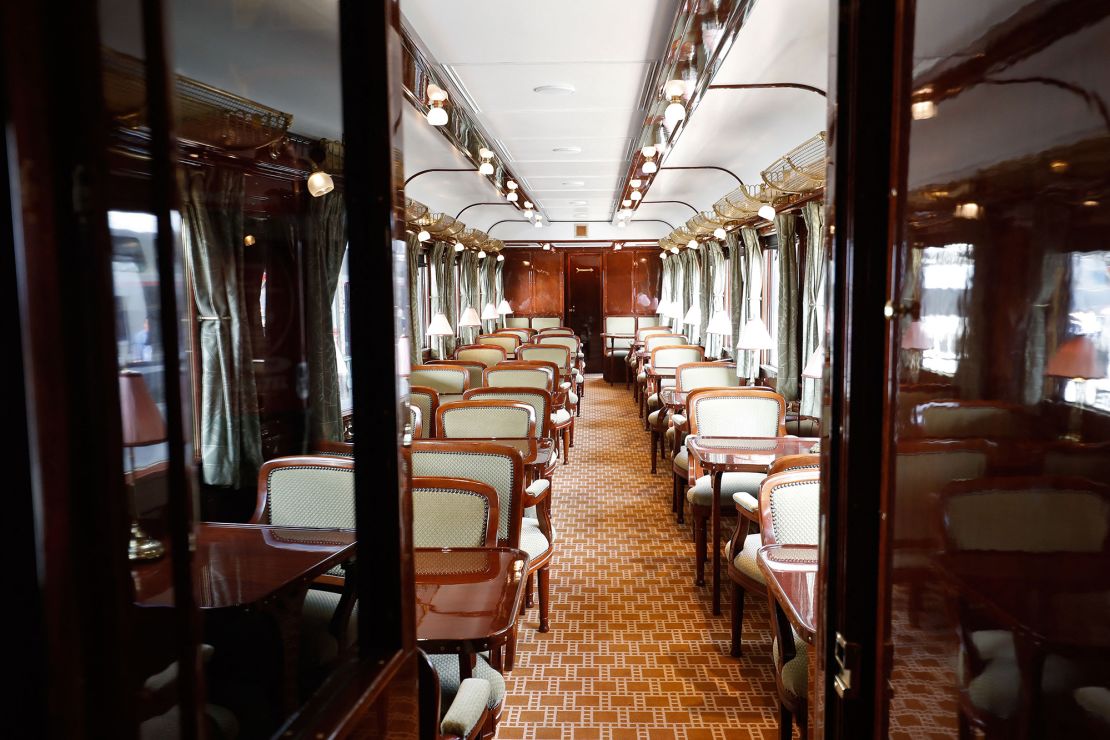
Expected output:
(468, 708)
(536, 492)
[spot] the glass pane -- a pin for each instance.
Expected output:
(999, 514)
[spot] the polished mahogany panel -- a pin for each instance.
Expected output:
(533, 281)
(240, 565)
(791, 575)
(631, 279)
(467, 598)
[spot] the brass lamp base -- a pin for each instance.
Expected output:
(142, 546)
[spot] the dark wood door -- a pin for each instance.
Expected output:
(584, 305)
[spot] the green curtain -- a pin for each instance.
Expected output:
(443, 296)
(665, 287)
(416, 325)
(487, 294)
(713, 295)
(469, 277)
(813, 300)
(1043, 333)
(325, 241)
(789, 300)
(691, 275)
(747, 363)
(738, 271)
(498, 284)
(676, 292)
(230, 441)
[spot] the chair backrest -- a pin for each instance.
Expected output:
(453, 512)
(507, 342)
(517, 322)
(475, 369)
(786, 463)
(645, 322)
(647, 331)
(952, 419)
(736, 412)
(1030, 514)
(427, 400)
(496, 465)
(416, 422)
(662, 339)
(523, 374)
(556, 331)
(440, 378)
(620, 324)
(693, 375)
(487, 354)
(520, 333)
(912, 395)
(485, 419)
(922, 469)
(545, 322)
(790, 508)
(679, 354)
(538, 398)
(571, 342)
(556, 353)
(306, 491)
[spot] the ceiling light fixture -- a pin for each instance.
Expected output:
(674, 250)
(627, 202)
(650, 167)
(481, 254)
(676, 111)
(486, 167)
(423, 235)
(692, 244)
(616, 246)
(635, 184)
(528, 204)
(500, 257)
(538, 224)
(663, 256)
(512, 197)
(923, 109)
(320, 183)
(437, 97)
(539, 217)
(621, 224)
(635, 195)
(719, 233)
(767, 212)
(459, 246)
(968, 210)
(547, 247)
(567, 149)
(556, 89)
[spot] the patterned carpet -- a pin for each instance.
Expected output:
(633, 651)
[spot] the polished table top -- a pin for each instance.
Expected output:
(467, 599)
(755, 454)
(237, 565)
(791, 575)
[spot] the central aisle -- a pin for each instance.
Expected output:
(633, 651)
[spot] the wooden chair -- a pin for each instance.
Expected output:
(517, 322)
(617, 349)
(560, 355)
(574, 346)
(545, 322)
(633, 366)
(506, 341)
(666, 356)
(448, 381)
(472, 366)
(651, 342)
(671, 432)
(427, 400)
(555, 331)
(485, 418)
(728, 412)
(487, 354)
(956, 419)
(789, 509)
(521, 333)
(467, 712)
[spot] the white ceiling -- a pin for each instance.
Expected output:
(498, 51)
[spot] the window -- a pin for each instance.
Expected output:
(341, 331)
(1089, 315)
(946, 273)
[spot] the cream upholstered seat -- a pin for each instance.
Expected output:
(524, 375)
(523, 334)
(507, 342)
(545, 322)
(617, 349)
(666, 357)
(464, 699)
(651, 342)
(487, 354)
(426, 401)
(728, 412)
(539, 399)
(460, 710)
(517, 322)
(502, 468)
(1020, 517)
(561, 356)
(689, 376)
(486, 418)
(553, 331)
(473, 367)
(448, 381)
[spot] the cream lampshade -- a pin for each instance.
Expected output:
(719, 323)
(504, 308)
(1077, 359)
(440, 327)
(470, 318)
(693, 316)
(674, 310)
(754, 338)
(815, 365)
(489, 313)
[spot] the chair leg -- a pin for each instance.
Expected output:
(737, 620)
(528, 602)
(786, 723)
(654, 442)
(674, 493)
(700, 548)
(566, 446)
(510, 650)
(572, 424)
(545, 596)
(681, 501)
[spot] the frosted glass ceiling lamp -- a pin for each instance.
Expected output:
(616, 246)
(459, 246)
(423, 235)
(676, 111)
(503, 308)
(511, 185)
(627, 202)
(320, 183)
(663, 256)
(547, 247)
(470, 318)
(437, 113)
(692, 244)
(440, 327)
(538, 224)
(720, 234)
(674, 250)
(512, 197)
(719, 324)
(635, 184)
(649, 167)
(621, 224)
(767, 212)
(635, 195)
(923, 109)
(489, 313)
(481, 254)
(528, 204)
(500, 257)
(485, 168)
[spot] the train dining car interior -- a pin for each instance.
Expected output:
(612, 369)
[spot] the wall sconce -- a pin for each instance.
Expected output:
(627, 202)
(481, 254)
(486, 167)
(423, 235)
(720, 234)
(676, 111)
(500, 257)
(692, 244)
(459, 246)
(970, 211)
(635, 195)
(437, 113)
(767, 212)
(650, 167)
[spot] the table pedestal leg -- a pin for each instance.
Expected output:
(715, 539)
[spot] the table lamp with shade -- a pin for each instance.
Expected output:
(674, 311)
(754, 338)
(489, 313)
(719, 323)
(915, 340)
(504, 310)
(469, 319)
(1077, 359)
(142, 426)
(693, 317)
(440, 327)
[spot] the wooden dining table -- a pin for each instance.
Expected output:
(468, 600)
(791, 575)
(719, 455)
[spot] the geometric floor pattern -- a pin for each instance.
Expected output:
(634, 650)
